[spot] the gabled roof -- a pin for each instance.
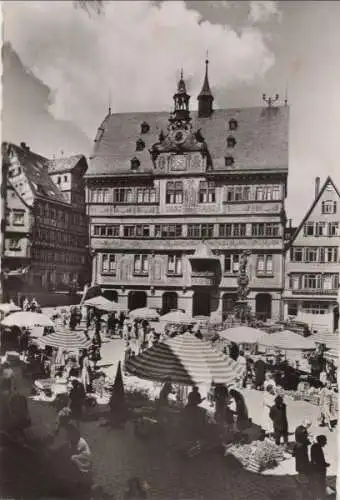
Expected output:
(313, 205)
(261, 140)
(35, 170)
(67, 164)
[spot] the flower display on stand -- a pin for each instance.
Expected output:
(257, 456)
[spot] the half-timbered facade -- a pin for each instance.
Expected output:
(313, 263)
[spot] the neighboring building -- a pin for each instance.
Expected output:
(174, 200)
(313, 263)
(45, 235)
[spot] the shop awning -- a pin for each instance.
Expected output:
(187, 360)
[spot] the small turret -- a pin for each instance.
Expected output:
(205, 97)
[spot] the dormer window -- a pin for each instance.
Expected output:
(59, 180)
(229, 161)
(233, 124)
(144, 128)
(135, 164)
(140, 145)
(231, 141)
(328, 207)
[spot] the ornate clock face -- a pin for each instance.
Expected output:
(179, 136)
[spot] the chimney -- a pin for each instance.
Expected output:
(24, 146)
(317, 186)
(290, 223)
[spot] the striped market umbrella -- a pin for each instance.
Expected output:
(187, 360)
(66, 340)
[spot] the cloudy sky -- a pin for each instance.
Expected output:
(133, 52)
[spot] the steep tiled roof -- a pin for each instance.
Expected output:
(261, 140)
(59, 165)
(313, 205)
(34, 167)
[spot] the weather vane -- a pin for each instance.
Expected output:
(270, 100)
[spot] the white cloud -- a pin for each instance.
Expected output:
(263, 11)
(135, 50)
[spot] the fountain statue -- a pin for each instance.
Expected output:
(242, 309)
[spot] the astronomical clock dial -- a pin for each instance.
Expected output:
(179, 136)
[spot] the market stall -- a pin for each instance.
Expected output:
(145, 313)
(102, 304)
(27, 319)
(242, 335)
(8, 308)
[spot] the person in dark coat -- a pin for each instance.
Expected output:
(234, 351)
(260, 372)
(302, 464)
(220, 396)
(77, 397)
(194, 397)
(278, 414)
(319, 467)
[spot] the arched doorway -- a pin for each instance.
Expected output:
(111, 295)
(136, 300)
(201, 303)
(169, 302)
(228, 304)
(335, 318)
(263, 306)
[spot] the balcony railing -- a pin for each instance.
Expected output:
(203, 278)
(316, 291)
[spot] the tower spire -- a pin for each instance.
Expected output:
(205, 97)
(181, 101)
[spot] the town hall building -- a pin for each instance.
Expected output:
(174, 200)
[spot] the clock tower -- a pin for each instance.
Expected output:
(181, 146)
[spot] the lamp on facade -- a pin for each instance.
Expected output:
(184, 289)
(152, 290)
(123, 288)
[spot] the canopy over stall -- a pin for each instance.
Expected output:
(67, 341)
(27, 319)
(287, 340)
(177, 317)
(187, 360)
(9, 307)
(102, 304)
(144, 313)
(242, 335)
(331, 340)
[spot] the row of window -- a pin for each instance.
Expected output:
(315, 281)
(314, 254)
(129, 195)
(227, 230)
(175, 194)
(307, 307)
(264, 264)
(68, 258)
(55, 216)
(60, 238)
(321, 229)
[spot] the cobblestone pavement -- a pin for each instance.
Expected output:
(118, 455)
